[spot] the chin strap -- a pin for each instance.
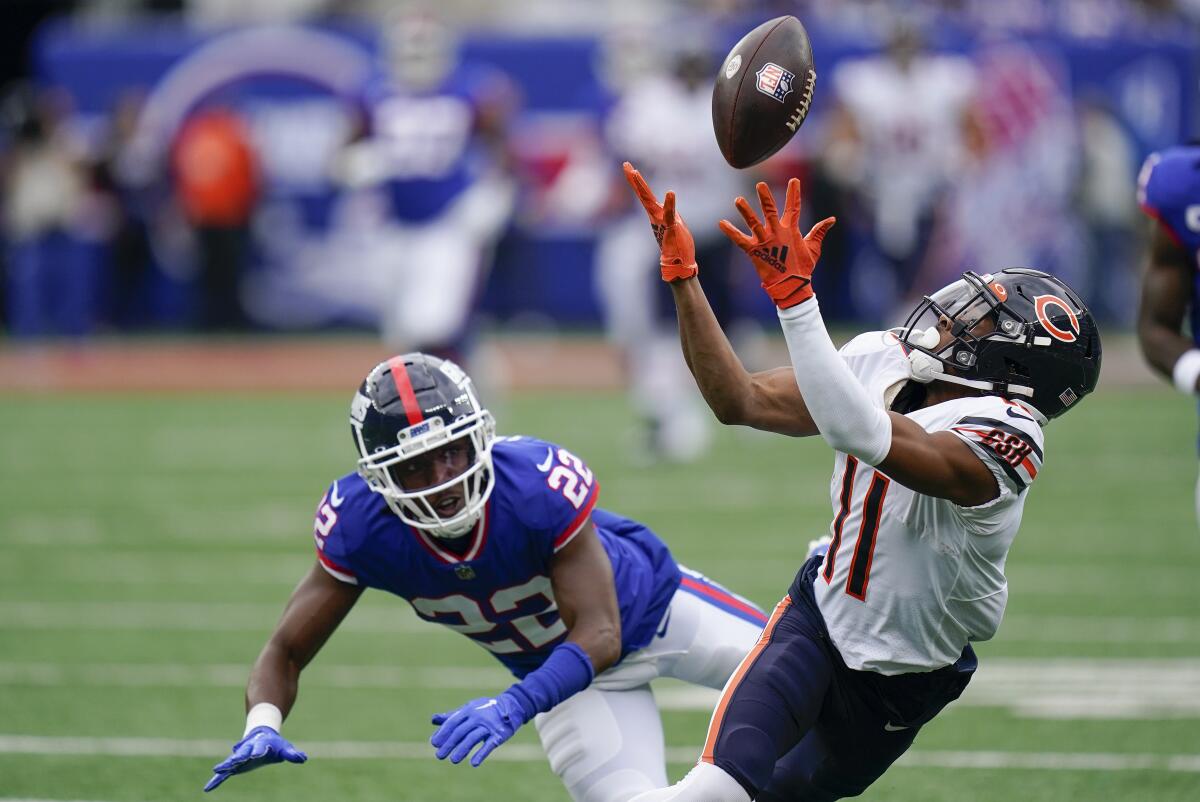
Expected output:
(927, 368)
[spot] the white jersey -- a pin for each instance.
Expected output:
(910, 579)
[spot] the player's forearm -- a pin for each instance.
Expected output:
(1161, 346)
(600, 640)
(274, 680)
(719, 373)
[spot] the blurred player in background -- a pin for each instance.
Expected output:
(499, 538)
(897, 118)
(432, 139)
(216, 178)
(937, 434)
(1169, 192)
(662, 117)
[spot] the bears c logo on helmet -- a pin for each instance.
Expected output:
(1041, 302)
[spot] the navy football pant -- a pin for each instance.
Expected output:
(795, 724)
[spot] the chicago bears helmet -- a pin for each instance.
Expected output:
(1019, 333)
(410, 405)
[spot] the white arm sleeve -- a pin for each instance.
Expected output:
(835, 398)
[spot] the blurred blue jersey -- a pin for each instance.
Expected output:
(1169, 191)
(498, 591)
(430, 145)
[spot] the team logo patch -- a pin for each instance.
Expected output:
(775, 81)
(1043, 305)
(421, 428)
(464, 572)
(998, 288)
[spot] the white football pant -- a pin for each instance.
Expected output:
(433, 271)
(606, 742)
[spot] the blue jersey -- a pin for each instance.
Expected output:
(498, 591)
(428, 138)
(1169, 191)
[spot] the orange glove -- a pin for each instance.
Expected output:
(784, 259)
(677, 250)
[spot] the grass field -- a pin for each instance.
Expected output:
(149, 543)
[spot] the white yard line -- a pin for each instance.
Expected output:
(396, 617)
(527, 753)
(192, 616)
(1064, 689)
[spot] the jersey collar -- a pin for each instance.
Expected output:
(444, 555)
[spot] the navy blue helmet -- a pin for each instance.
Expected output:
(412, 404)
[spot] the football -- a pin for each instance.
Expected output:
(763, 91)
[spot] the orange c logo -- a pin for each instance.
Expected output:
(999, 290)
(1040, 302)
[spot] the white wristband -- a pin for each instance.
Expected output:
(263, 713)
(1187, 371)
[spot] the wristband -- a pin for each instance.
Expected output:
(263, 714)
(1187, 371)
(566, 672)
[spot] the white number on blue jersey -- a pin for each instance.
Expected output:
(571, 478)
(475, 624)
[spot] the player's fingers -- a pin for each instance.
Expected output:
(735, 234)
(452, 734)
(817, 233)
(767, 203)
(669, 209)
(756, 228)
(234, 762)
(441, 718)
(791, 204)
(641, 188)
(216, 780)
(468, 743)
(293, 755)
(488, 746)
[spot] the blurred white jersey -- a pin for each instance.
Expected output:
(665, 129)
(909, 579)
(911, 125)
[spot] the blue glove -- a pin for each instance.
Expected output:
(490, 721)
(261, 746)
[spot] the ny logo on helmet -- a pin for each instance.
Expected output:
(1041, 304)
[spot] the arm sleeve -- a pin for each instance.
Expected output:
(1155, 193)
(841, 408)
(560, 492)
(333, 552)
(1010, 445)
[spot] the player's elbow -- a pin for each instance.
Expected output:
(1157, 344)
(729, 414)
(603, 645)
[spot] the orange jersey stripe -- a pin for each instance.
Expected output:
(718, 716)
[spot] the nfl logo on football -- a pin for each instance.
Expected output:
(775, 81)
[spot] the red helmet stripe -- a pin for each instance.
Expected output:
(405, 390)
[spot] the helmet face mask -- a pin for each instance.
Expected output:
(1020, 334)
(411, 408)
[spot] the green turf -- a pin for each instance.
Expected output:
(166, 532)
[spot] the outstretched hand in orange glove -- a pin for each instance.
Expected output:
(783, 258)
(677, 250)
